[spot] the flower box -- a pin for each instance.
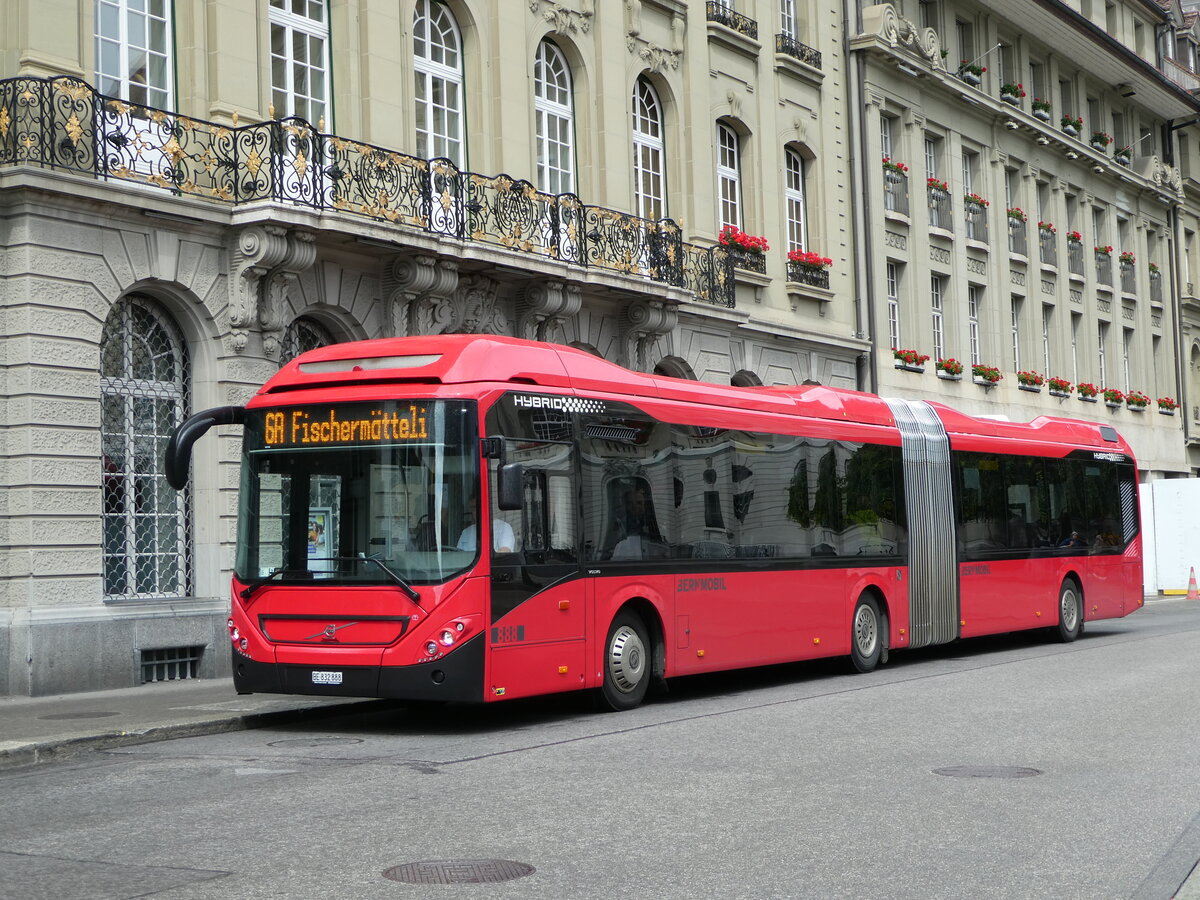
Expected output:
(1136, 408)
(1044, 115)
(1113, 404)
(1166, 412)
(946, 376)
(909, 367)
(1086, 399)
(1032, 388)
(1054, 393)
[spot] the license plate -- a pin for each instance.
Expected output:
(326, 677)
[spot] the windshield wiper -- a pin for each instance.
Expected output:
(249, 590)
(404, 586)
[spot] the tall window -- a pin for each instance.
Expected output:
(885, 134)
(133, 50)
(1076, 321)
(649, 186)
(302, 335)
(788, 23)
(143, 396)
(1016, 333)
(299, 58)
(974, 302)
(1102, 351)
(437, 64)
(937, 289)
(1047, 321)
(1126, 352)
(554, 111)
(793, 197)
(729, 179)
(893, 303)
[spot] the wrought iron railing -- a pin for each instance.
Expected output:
(1018, 240)
(789, 46)
(722, 14)
(1075, 258)
(1128, 279)
(941, 214)
(1104, 268)
(813, 277)
(895, 191)
(1156, 288)
(64, 124)
(748, 260)
(977, 223)
(1048, 244)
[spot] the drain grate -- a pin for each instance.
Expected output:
(458, 871)
(96, 714)
(987, 772)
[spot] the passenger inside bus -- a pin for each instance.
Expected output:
(634, 533)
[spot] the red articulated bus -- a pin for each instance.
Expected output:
(638, 527)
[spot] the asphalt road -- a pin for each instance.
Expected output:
(794, 781)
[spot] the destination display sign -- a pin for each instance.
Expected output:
(315, 426)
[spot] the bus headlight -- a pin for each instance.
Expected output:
(431, 649)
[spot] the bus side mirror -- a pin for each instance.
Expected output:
(510, 487)
(178, 455)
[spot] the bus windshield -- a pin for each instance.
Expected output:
(367, 493)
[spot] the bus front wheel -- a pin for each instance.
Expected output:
(866, 634)
(626, 662)
(1070, 611)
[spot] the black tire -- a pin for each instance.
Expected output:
(627, 663)
(866, 634)
(1070, 611)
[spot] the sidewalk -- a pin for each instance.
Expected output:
(40, 729)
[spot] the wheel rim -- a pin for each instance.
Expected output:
(866, 631)
(1068, 610)
(626, 659)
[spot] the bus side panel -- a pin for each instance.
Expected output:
(1104, 588)
(610, 594)
(759, 618)
(538, 646)
(1007, 595)
(530, 669)
(890, 584)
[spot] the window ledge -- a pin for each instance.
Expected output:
(788, 64)
(797, 291)
(894, 216)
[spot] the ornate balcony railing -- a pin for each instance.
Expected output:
(64, 124)
(813, 277)
(977, 223)
(1048, 243)
(1128, 279)
(895, 191)
(1018, 241)
(789, 46)
(1075, 258)
(941, 214)
(748, 260)
(722, 14)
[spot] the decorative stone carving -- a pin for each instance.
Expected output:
(657, 58)
(266, 261)
(545, 307)
(562, 19)
(645, 320)
(475, 307)
(897, 31)
(417, 292)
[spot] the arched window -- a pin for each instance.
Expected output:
(554, 110)
(302, 335)
(729, 179)
(143, 395)
(649, 180)
(437, 61)
(793, 198)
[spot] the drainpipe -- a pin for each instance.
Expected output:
(866, 367)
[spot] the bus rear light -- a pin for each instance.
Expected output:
(244, 644)
(235, 634)
(431, 648)
(448, 638)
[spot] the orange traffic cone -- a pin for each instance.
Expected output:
(1193, 592)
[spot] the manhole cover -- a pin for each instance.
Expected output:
(309, 743)
(80, 715)
(988, 772)
(458, 871)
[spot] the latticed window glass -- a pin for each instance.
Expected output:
(437, 64)
(144, 395)
(554, 111)
(299, 58)
(729, 188)
(133, 50)
(893, 304)
(787, 18)
(793, 196)
(650, 196)
(302, 335)
(974, 302)
(937, 290)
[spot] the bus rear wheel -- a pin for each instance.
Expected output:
(626, 663)
(1070, 611)
(866, 634)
